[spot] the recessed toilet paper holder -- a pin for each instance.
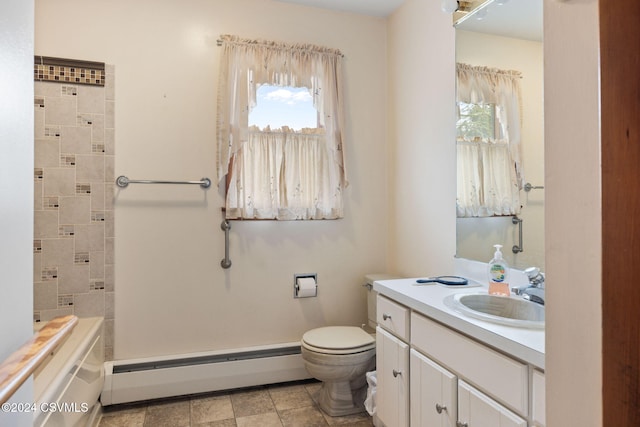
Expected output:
(305, 285)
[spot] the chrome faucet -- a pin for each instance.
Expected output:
(533, 292)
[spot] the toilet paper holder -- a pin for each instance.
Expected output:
(305, 285)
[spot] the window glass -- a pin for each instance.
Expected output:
(278, 106)
(476, 121)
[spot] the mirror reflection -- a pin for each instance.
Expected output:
(505, 37)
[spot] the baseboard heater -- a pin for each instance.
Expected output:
(153, 378)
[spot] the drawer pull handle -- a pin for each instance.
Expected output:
(440, 408)
(396, 373)
(386, 316)
(461, 424)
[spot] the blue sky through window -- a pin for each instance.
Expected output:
(283, 106)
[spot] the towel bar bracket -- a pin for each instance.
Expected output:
(520, 246)
(226, 226)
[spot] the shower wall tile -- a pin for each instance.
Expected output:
(60, 111)
(45, 296)
(97, 199)
(91, 99)
(89, 304)
(75, 139)
(73, 279)
(90, 168)
(75, 210)
(47, 153)
(45, 224)
(58, 181)
(74, 174)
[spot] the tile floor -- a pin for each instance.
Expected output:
(290, 404)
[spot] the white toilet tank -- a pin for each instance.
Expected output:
(371, 295)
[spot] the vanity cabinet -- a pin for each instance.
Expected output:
(430, 375)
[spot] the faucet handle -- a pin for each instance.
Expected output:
(532, 272)
(536, 278)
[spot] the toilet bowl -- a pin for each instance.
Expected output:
(339, 356)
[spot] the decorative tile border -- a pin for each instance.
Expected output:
(62, 70)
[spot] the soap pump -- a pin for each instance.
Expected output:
(498, 274)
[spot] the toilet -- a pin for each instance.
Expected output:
(340, 356)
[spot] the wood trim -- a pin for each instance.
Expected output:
(620, 151)
(22, 363)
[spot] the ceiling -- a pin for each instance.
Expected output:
(363, 7)
(515, 18)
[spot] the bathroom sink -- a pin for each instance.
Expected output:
(511, 311)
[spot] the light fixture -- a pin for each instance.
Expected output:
(501, 2)
(449, 6)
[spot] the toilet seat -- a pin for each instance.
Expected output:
(338, 340)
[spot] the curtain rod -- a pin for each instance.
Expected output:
(220, 42)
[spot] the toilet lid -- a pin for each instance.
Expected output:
(339, 338)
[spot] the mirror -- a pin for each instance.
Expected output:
(507, 34)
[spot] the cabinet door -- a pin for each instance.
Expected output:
(433, 393)
(538, 393)
(392, 366)
(476, 409)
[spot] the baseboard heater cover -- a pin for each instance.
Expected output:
(145, 379)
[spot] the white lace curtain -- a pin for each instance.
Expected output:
(490, 172)
(280, 174)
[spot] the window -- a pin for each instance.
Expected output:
(274, 168)
(283, 106)
(489, 171)
(476, 121)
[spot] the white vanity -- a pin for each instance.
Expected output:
(438, 367)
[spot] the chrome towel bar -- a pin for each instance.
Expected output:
(123, 182)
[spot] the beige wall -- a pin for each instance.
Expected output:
(421, 139)
(573, 214)
(480, 234)
(171, 295)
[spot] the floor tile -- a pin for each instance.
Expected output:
(261, 420)
(308, 416)
(252, 402)
(288, 397)
(127, 417)
(168, 414)
(208, 409)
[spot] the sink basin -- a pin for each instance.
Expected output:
(509, 311)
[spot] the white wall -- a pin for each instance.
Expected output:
(573, 214)
(422, 139)
(172, 296)
(480, 234)
(16, 189)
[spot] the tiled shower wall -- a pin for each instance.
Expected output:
(73, 198)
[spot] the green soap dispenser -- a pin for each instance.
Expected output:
(498, 272)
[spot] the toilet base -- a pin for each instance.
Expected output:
(338, 399)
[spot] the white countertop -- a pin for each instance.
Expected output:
(521, 343)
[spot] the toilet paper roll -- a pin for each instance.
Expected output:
(306, 287)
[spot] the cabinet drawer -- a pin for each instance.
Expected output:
(393, 317)
(500, 376)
